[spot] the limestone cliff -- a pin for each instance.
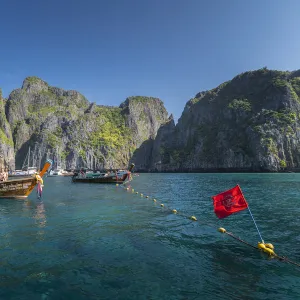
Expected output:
(7, 158)
(251, 123)
(149, 156)
(65, 126)
(144, 115)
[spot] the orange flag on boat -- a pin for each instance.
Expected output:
(229, 202)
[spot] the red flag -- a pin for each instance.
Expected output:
(229, 202)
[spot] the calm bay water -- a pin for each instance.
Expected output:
(85, 241)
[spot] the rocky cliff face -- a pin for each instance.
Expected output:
(144, 115)
(250, 123)
(7, 159)
(149, 156)
(53, 121)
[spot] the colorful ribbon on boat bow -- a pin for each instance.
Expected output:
(40, 183)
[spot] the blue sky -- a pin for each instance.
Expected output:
(171, 49)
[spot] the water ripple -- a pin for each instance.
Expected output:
(102, 242)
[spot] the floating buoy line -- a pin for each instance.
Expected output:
(267, 248)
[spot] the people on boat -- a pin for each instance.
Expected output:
(82, 173)
(3, 175)
(39, 178)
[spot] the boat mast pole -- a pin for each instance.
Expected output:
(28, 159)
(34, 157)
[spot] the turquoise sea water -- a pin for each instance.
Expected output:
(85, 241)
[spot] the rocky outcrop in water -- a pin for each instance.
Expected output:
(251, 123)
(53, 121)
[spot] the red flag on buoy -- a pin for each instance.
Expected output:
(229, 202)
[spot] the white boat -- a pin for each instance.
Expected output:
(55, 172)
(58, 170)
(26, 169)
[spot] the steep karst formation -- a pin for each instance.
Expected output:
(65, 126)
(250, 123)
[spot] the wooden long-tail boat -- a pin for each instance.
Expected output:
(106, 177)
(22, 187)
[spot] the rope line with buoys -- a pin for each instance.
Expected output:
(267, 248)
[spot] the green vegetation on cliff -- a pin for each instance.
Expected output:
(33, 79)
(6, 142)
(83, 133)
(109, 129)
(240, 104)
(250, 122)
(4, 139)
(4, 125)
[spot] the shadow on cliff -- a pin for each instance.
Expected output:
(21, 154)
(36, 158)
(142, 156)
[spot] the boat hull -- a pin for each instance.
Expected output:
(108, 179)
(61, 175)
(17, 188)
(104, 178)
(22, 187)
(18, 176)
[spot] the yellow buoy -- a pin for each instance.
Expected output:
(136, 192)
(162, 205)
(193, 218)
(154, 200)
(174, 211)
(263, 247)
(270, 246)
(221, 229)
(141, 195)
(147, 196)
(127, 189)
(117, 184)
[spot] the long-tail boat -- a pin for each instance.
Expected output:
(22, 187)
(115, 176)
